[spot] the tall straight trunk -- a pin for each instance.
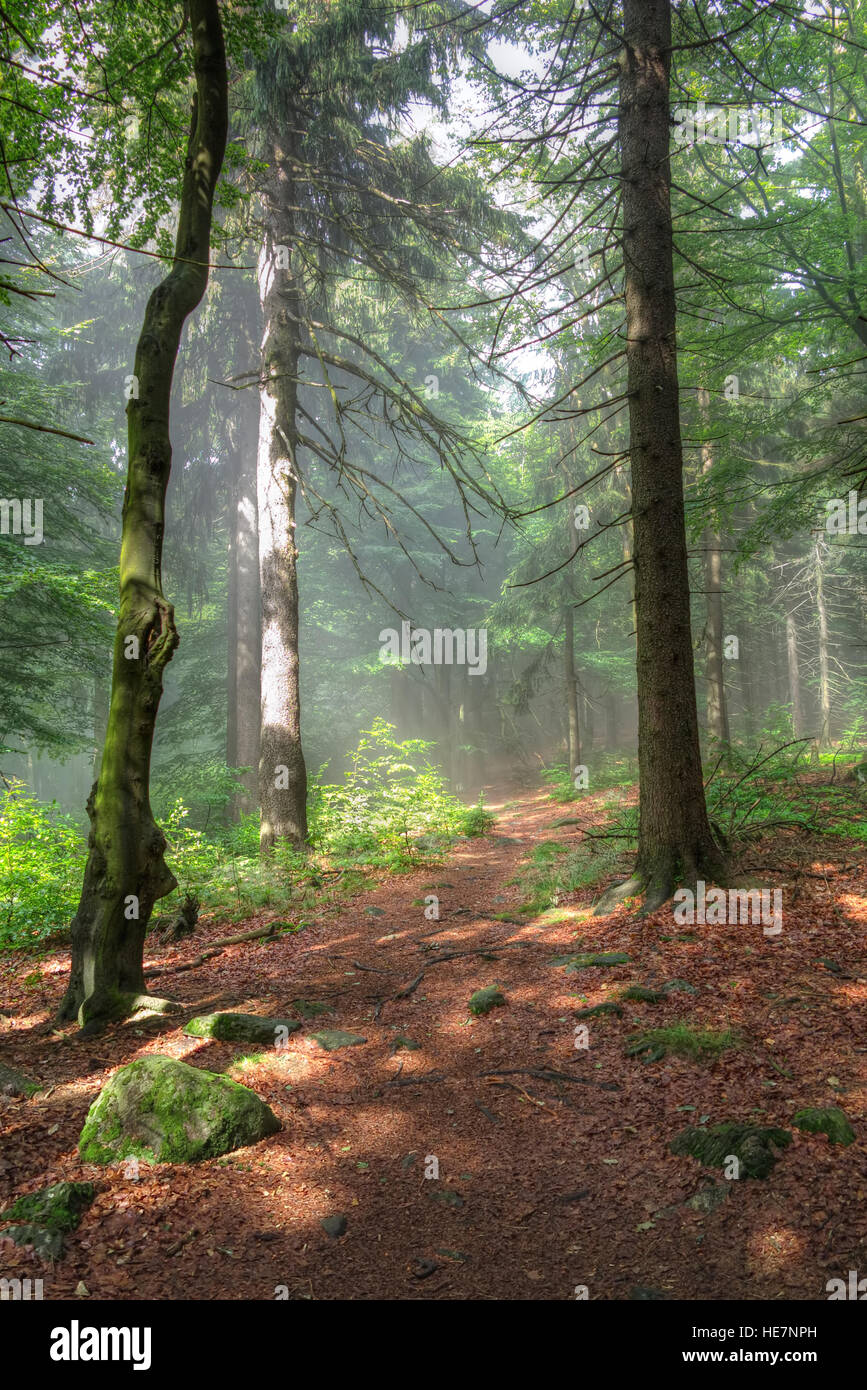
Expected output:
(674, 838)
(794, 675)
(824, 660)
(571, 686)
(282, 770)
(717, 704)
(126, 870)
(242, 731)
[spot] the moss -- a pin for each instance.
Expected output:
(592, 958)
(164, 1111)
(641, 994)
(58, 1208)
(609, 1007)
(697, 1044)
(486, 999)
(753, 1145)
(830, 1121)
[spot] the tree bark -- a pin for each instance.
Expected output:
(242, 732)
(126, 870)
(571, 687)
(794, 676)
(282, 770)
(824, 659)
(675, 839)
(717, 704)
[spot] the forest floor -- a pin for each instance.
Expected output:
(554, 1161)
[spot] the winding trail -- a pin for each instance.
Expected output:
(552, 1159)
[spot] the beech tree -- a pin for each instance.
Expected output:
(126, 871)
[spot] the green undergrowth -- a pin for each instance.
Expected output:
(392, 812)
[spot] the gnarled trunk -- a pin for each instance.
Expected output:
(126, 870)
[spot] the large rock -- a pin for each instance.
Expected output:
(164, 1111)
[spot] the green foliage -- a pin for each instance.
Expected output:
(42, 855)
(392, 808)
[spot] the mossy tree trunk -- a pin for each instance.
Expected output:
(126, 870)
(675, 839)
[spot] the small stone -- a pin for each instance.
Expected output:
(486, 999)
(230, 1027)
(334, 1226)
(585, 959)
(15, 1083)
(375, 911)
(609, 1007)
(332, 1039)
(830, 1120)
(407, 1044)
(311, 1008)
(707, 1199)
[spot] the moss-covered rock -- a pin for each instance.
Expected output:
(402, 1043)
(598, 1010)
(585, 959)
(486, 999)
(332, 1039)
(15, 1083)
(231, 1027)
(165, 1111)
(642, 994)
(754, 1146)
(830, 1121)
(48, 1215)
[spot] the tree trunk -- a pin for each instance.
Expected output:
(824, 661)
(242, 732)
(675, 838)
(571, 687)
(717, 705)
(282, 771)
(794, 676)
(126, 870)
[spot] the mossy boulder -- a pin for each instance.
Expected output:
(830, 1121)
(252, 1028)
(48, 1215)
(754, 1146)
(165, 1111)
(486, 999)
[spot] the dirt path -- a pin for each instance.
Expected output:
(546, 1182)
